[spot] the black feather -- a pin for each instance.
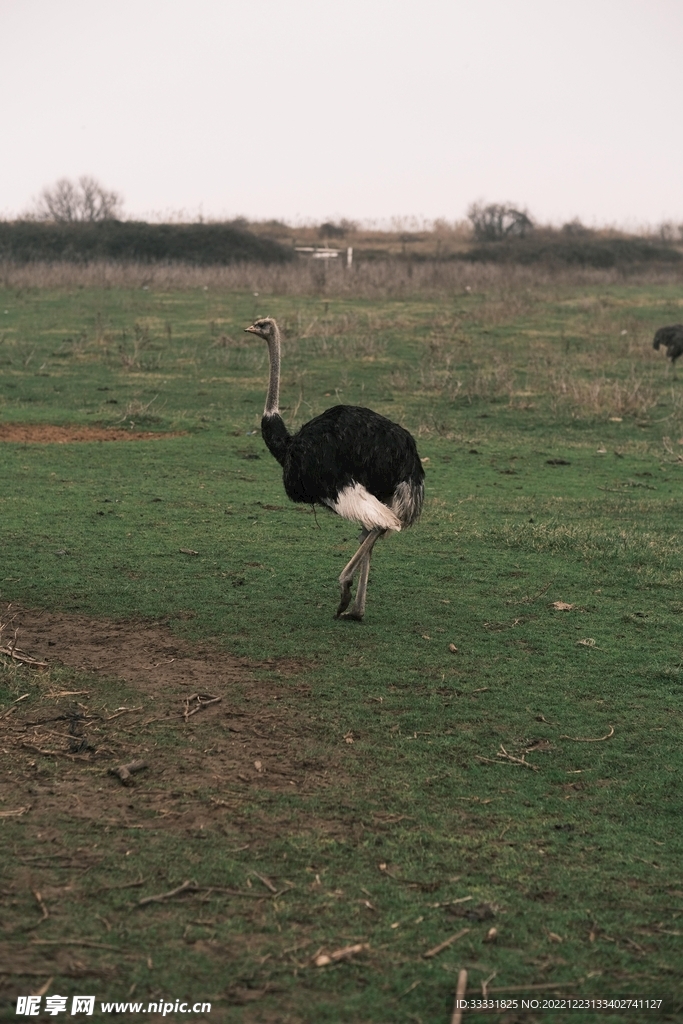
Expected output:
(277, 437)
(347, 445)
(671, 338)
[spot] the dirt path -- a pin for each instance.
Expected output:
(141, 692)
(47, 433)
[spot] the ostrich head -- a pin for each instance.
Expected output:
(266, 328)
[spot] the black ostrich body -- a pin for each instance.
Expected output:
(671, 338)
(350, 459)
(344, 446)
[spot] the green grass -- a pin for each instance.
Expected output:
(578, 861)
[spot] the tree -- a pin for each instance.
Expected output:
(82, 200)
(496, 221)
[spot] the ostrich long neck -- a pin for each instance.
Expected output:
(273, 398)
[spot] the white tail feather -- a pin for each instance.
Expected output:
(357, 504)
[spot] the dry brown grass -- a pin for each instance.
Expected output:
(602, 396)
(526, 337)
(504, 285)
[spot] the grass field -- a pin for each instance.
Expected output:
(357, 784)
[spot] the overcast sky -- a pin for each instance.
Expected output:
(369, 109)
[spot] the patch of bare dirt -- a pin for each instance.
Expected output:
(47, 433)
(223, 740)
(203, 720)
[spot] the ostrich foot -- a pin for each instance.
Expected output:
(345, 599)
(351, 616)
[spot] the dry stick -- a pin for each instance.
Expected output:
(209, 891)
(485, 984)
(324, 959)
(43, 988)
(123, 711)
(124, 771)
(126, 885)
(459, 996)
(508, 757)
(444, 945)
(516, 760)
(203, 703)
(39, 901)
(25, 659)
(167, 895)
(410, 989)
(248, 895)
(590, 739)
(14, 814)
(266, 881)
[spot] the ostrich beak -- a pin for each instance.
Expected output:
(251, 330)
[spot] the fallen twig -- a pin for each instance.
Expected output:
(502, 753)
(485, 983)
(411, 988)
(25, 659)
(44, 987)
(459, 997)
(39, 901)
(452, 903)
(122, 711)
(125, 885)
(516, 760)
(203, 701)
(16, 813)
(185, 887)
(190, 887)
(266, 881)
(444, 945)
(248, 895)
(323, 959)
(590, 739)
(124, 771)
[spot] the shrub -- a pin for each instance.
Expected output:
(81, 242)
(578, 248)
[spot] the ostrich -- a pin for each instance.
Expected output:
(350, 459)
(671, 338)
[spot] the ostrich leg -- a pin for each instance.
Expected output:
(357, 609)
(368, 539)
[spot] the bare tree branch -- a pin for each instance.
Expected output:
(496, 221)
(84, 200)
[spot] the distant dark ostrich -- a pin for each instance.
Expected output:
(671, 338)
(356, 462)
